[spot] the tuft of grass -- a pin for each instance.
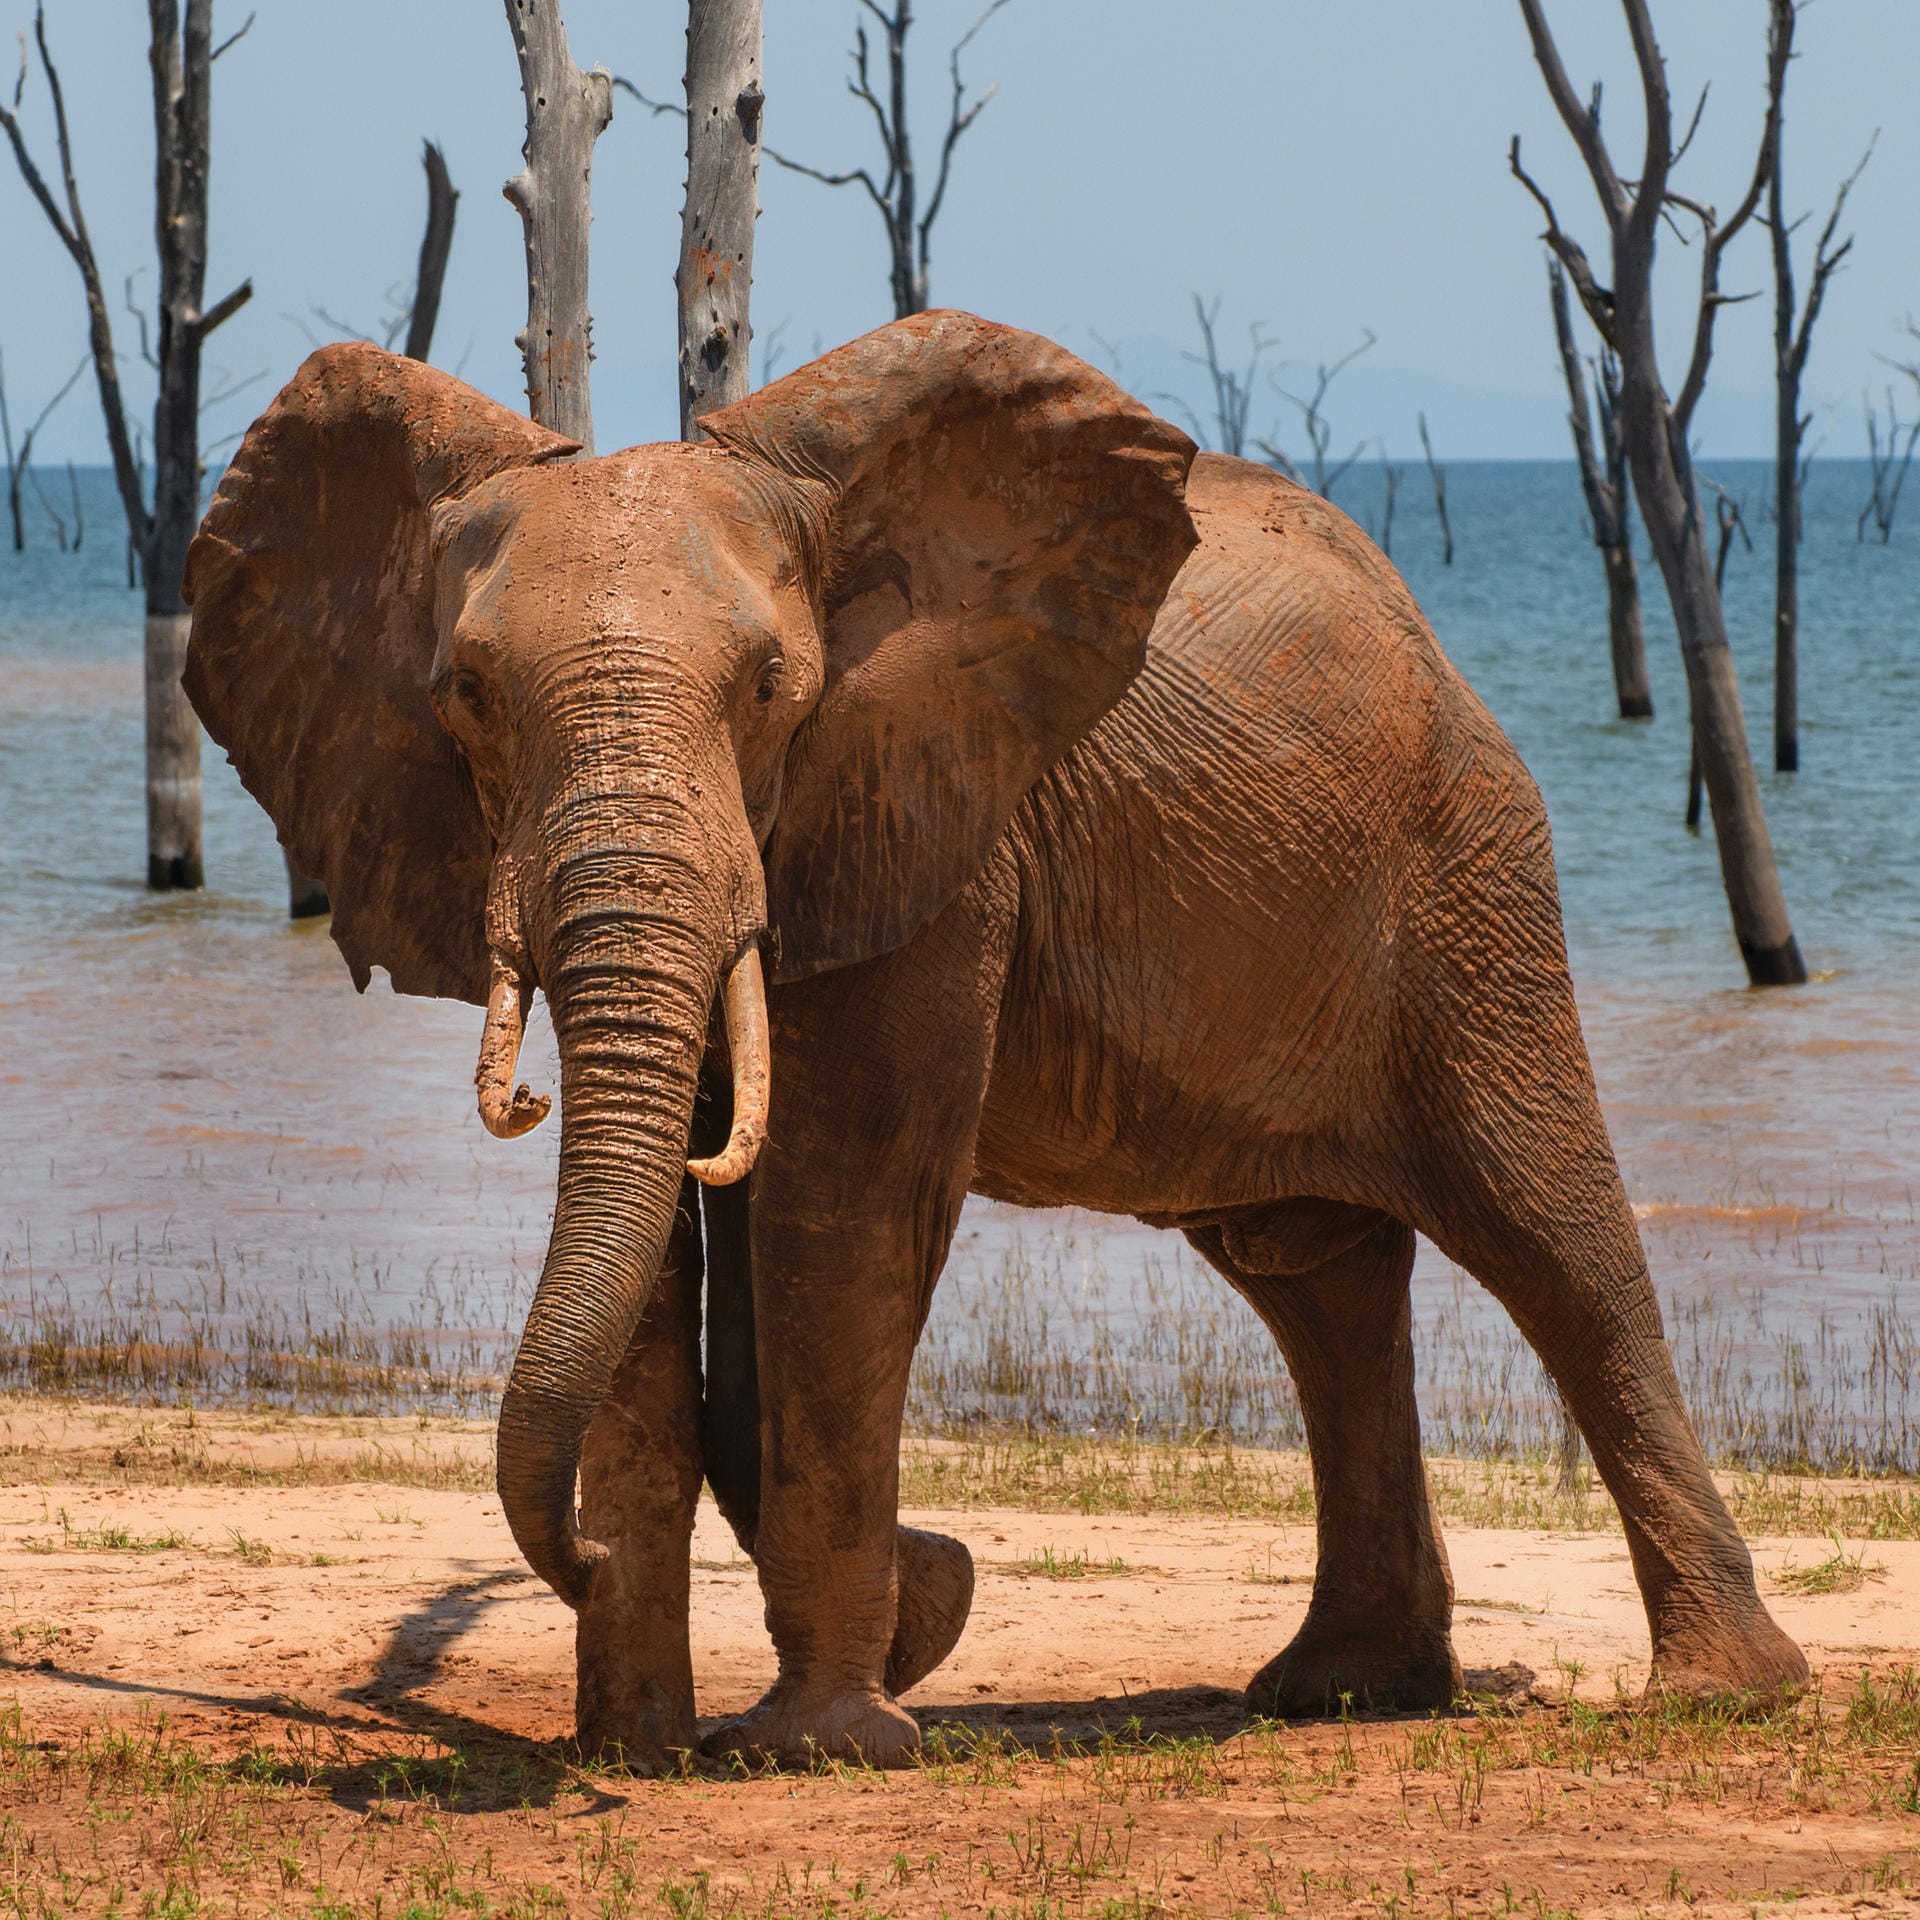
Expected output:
(1839, 1572)
(108, 1537)
(1049, 1564)
(256, 1553)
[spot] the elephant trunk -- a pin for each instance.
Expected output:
(632, 953)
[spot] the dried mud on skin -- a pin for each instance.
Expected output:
(338, 1695)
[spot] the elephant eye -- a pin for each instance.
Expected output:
(769, 683)
(465, 687)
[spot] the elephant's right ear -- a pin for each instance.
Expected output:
(311, 583)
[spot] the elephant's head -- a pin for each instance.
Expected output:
(601, 726)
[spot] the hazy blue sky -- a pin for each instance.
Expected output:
(1322, 167)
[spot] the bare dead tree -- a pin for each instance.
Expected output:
(895, 194)
(20, 462)
(54, 516)
(1726, 512)
(1232, 391)
(79, 513)
(1437, 474)
(1603, 479)
(715, 276)
(1792, 339)
(1887, 465)
(1390, 483)
(436, 244)
(567, 111)
(1319, 427)
(181, 53)
(1655, 431)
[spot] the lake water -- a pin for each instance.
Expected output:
(207, 1139)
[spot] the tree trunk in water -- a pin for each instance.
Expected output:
(1786, 588)
(1626, 638)
(715, 275)
(567, 111)
(173, 759)
(1747, 867)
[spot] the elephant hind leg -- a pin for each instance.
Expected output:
(1378, 1631)
(1523, 1192)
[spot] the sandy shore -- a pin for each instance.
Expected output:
(403, 1687)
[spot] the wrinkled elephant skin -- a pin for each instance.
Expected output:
(1115, 834)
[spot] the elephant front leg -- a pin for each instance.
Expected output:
(639, 1484)
(1379, 1627)
(879, 1073)
(933, 1574)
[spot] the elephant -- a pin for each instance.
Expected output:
(939, 778)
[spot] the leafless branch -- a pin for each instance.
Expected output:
(655, 107)
(436, 246)
(239, 33)
(1596, 299)
(1437, 474)
(959, 120)
(71, 228)
(909, 227)
(1827, 259)
(1232, 392)
(139, 314)
(66, 387)
(228, 389)
(847, 179)
(1583, 122)
(1319, 428)
(39, 493)
(344, 330)
(1717, 236)
(222, 311)
(1693, 126)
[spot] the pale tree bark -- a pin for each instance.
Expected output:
(715, 276)
(567, 111)
(181, 53)
(1603, 479)
(1655, 431)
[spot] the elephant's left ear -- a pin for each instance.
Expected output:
(1002, 526)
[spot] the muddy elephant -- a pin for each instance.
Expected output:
(1002, 799)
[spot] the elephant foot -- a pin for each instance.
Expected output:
(935, 1576)
(1321, 1671)
(647, 1727)
(792, 1727)
(1753, 1663)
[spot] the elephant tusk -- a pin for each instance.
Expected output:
(507, 1110)
(752, 1075)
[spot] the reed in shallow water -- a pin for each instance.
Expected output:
(1064, 1333)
